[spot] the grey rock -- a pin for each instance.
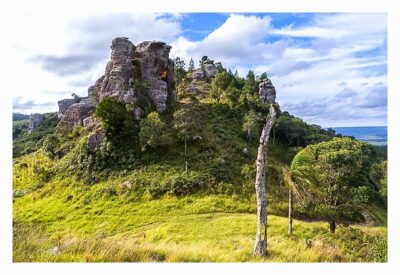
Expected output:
(152, 65)
(95, 140)
(267, 91)
(35, 120)
(126, 184)
(75, 115)
(54, 251)
(64, 104)
(198, 74)
(137, 113)
(245, 151)
(119, 69)
(209, 70)
(88, 123)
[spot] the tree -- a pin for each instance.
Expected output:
(191, 65)
(260, 245)
(50, 146)
(219, 85)
(263, 76)
(250, 85)
(113, 115)
(153, 132)
(179, 71)
(185, 124)
(331, 177)
(250, 124)
(205, 60)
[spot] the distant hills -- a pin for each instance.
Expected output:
(375, 135)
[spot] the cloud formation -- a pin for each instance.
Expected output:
(330, 69)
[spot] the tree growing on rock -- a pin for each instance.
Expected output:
(219, 85)
(331, 178)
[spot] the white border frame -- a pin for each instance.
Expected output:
(391, 7)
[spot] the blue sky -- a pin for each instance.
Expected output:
(329, 69)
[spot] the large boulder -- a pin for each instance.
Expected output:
(207, 71)
(35, 120)
(75, 115)
(267, 91)
(64, 104)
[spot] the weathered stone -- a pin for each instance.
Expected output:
(152, 65)
(95, 140)
(137, 113)
(35, 120)
(198, 74)
(64, 104)
(209, 70)
(267, 91)
(119, 69)
(75, 115)
(88, 123)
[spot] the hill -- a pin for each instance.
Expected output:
(139, 172)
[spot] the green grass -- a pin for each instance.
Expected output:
(106, 222)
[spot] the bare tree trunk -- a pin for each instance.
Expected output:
(186, 163)
(260, 245)
(290, 212)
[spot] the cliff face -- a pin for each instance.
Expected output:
(133, 71)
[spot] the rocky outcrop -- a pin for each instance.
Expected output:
(35, 120)
(267, 91)
(152, 65)
(64, 104)
(134, 74)
(75, 115)
(118, 76)
(148, 63)
(207, 71)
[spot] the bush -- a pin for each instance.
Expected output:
(113, 115)
(153, 132)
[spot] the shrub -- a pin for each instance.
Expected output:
(113, 115)
(153, 132)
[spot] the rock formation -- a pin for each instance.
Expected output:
(206, 71)
(75, 115)
(142, 72)
(64, 104)
(267, 91)
(35, 120)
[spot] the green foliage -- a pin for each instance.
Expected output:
(114, 116)
(250, 85)
(179, 71)
(295, 132)
(24, 143)
(19, 116)
(191, 65)
(251, 126)
(330, 177)
(153, 132)
(219, 85)
(50, 146)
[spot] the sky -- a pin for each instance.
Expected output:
(328, 68)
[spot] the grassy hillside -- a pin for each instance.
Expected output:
(129, 203)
